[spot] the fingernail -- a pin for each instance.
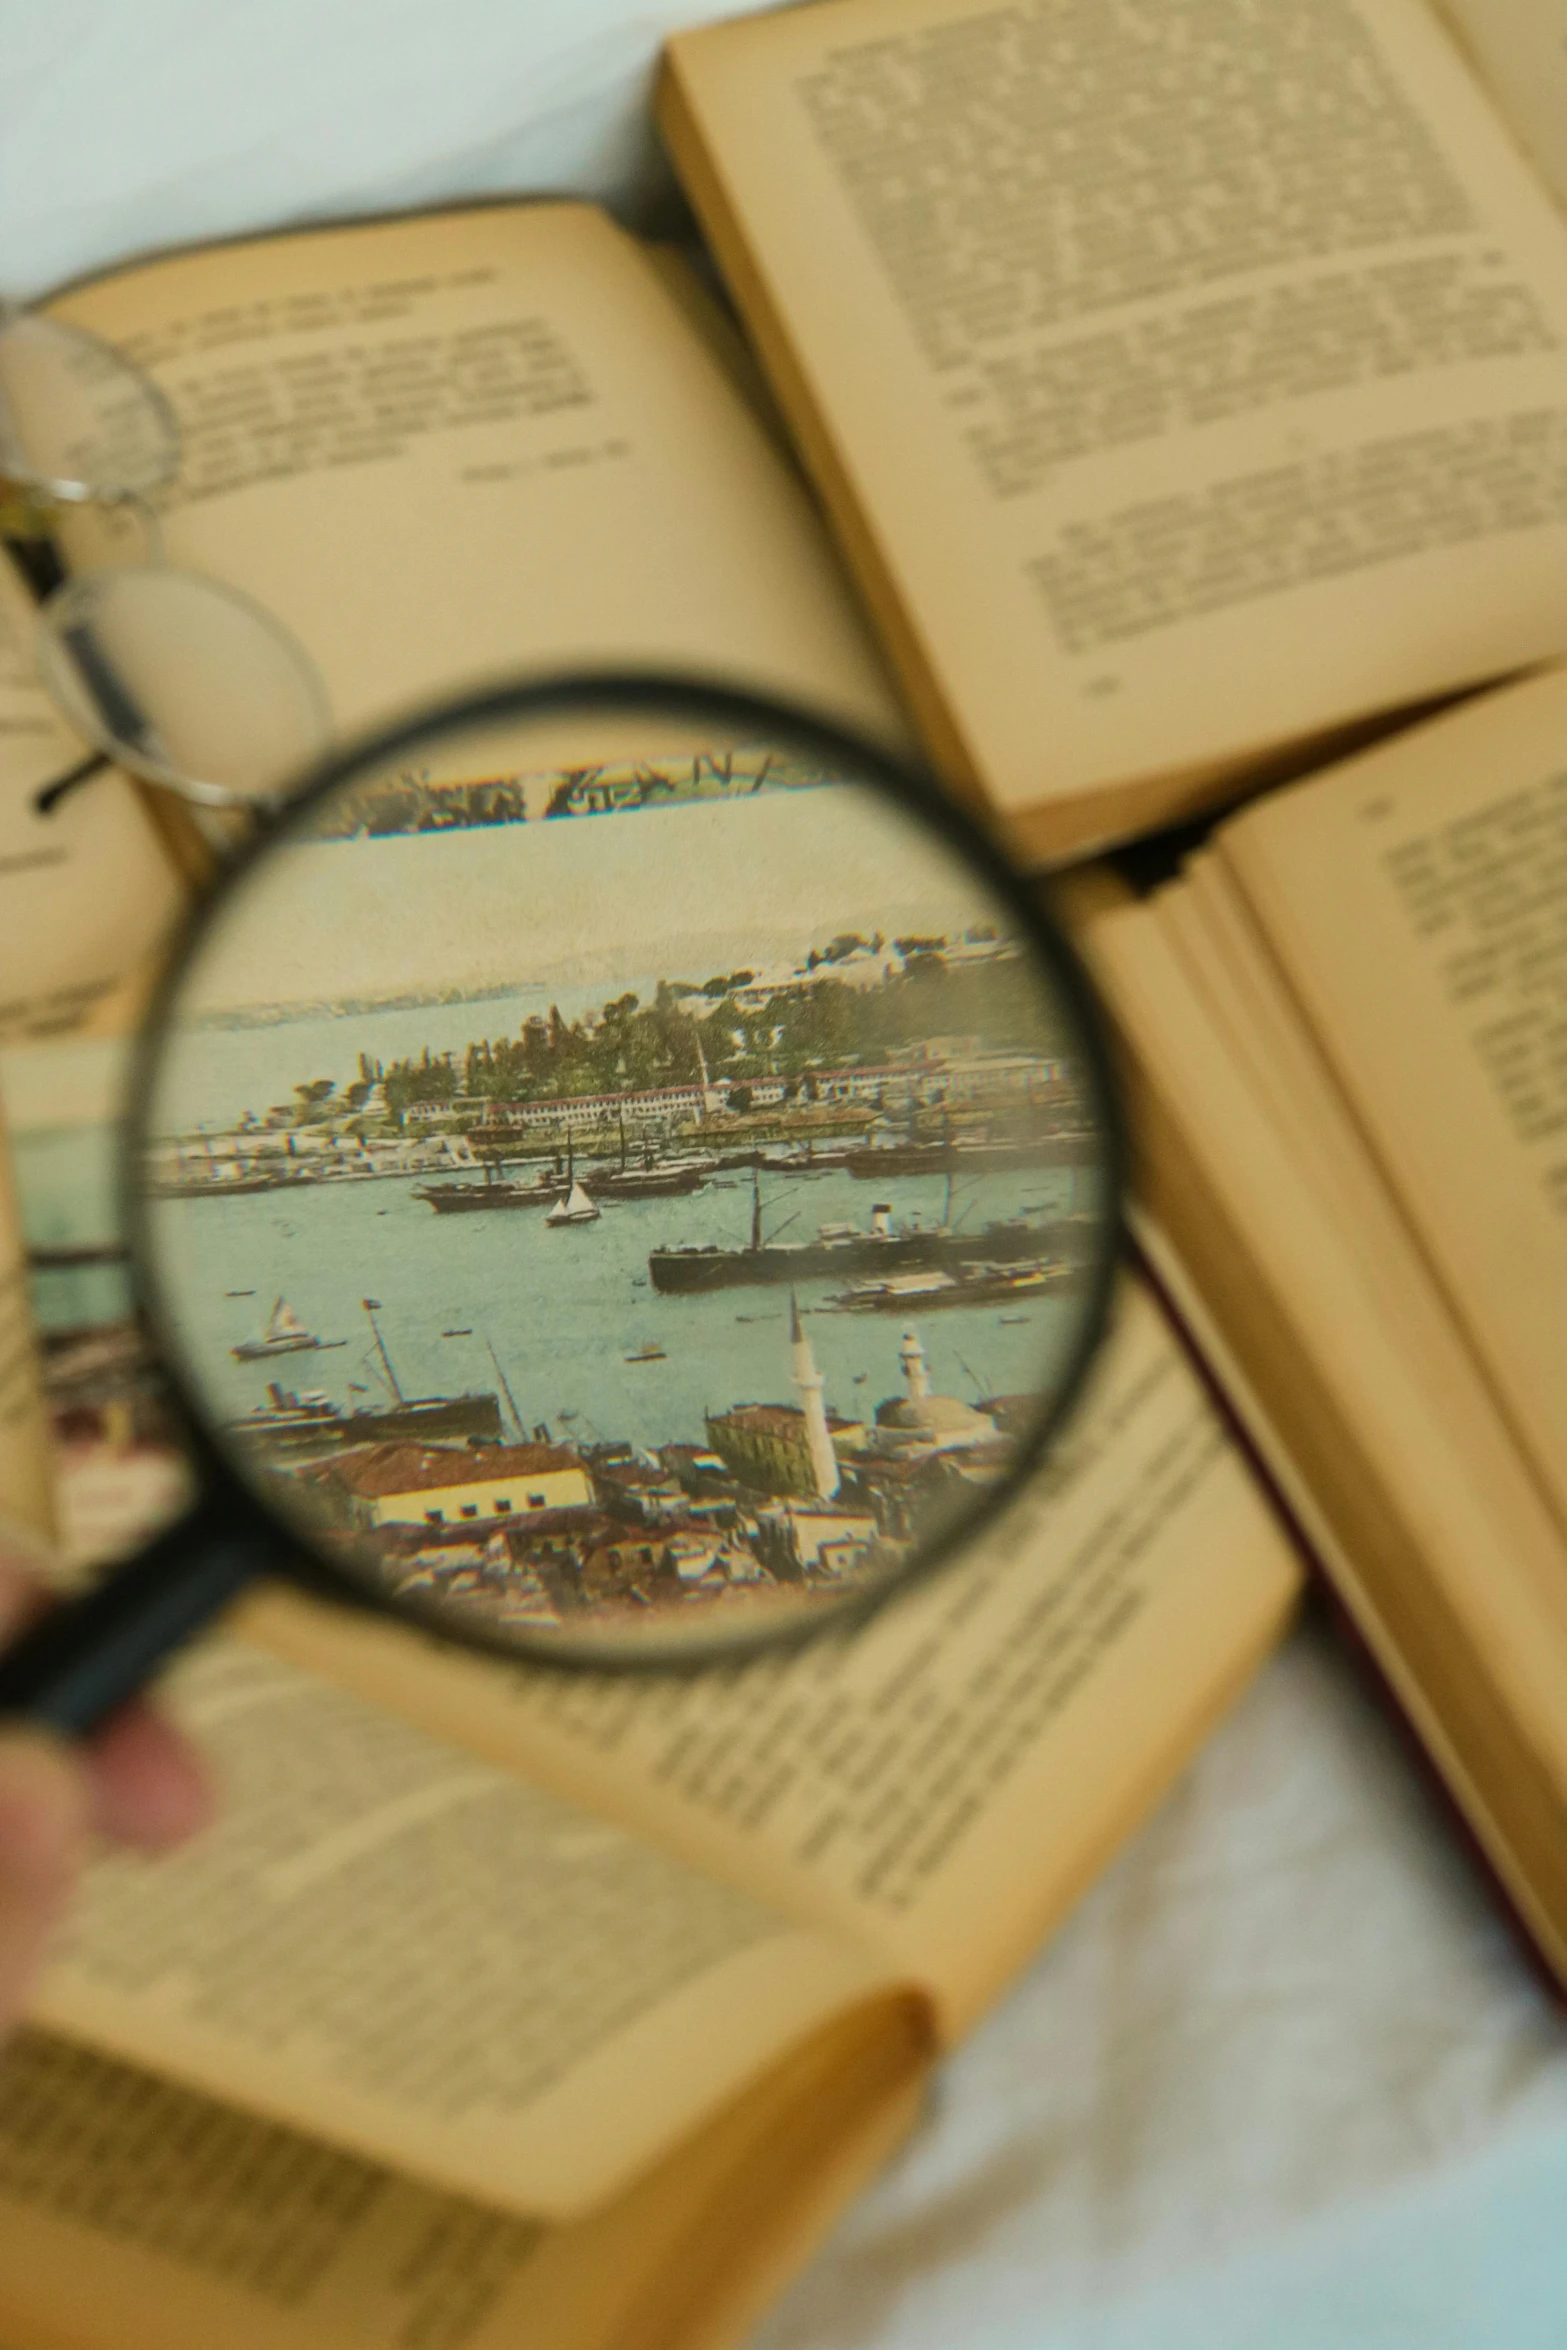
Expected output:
(43, 1810)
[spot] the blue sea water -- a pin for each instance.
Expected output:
(564, 1307)
(67, 1187)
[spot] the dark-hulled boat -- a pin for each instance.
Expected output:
(846, 1249)
(655, 1179)
(653, 1182)
(965, 1285)
(456, 1199)
(1076, 1147)
(289, 1422)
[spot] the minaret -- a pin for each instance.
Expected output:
(808, 1385)
(912, 1356)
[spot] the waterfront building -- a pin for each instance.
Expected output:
(697, 1555)
(639, 1490)
(483, 1575)
(898, 1491)
(882, 1087)
(863, 965)
(783, 1448)
(700, 1470)
(766, 1092)
(824, 1539)
(660, 1105)
(436, 1485)
(956, 1071)
(638, 1567)
(768, 1448)
(456, 1105)
(248, 1155)
(965, 1071)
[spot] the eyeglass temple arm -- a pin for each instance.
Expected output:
(48, 799)
(38, 561)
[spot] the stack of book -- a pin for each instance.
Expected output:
(1161, 415)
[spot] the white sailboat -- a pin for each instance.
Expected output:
(575, 1208)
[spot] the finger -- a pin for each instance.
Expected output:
(148, 1786)
(44, 1817)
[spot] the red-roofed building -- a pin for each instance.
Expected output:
(438, 1485)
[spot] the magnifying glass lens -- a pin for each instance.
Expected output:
(77, 420)
(620, 1180)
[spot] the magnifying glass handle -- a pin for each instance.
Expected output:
(37, 563)
(82, 1660)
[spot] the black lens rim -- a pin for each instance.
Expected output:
(683, 698)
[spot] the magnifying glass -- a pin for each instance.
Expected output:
(622, 1174)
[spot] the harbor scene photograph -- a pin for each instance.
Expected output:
(686, 1205)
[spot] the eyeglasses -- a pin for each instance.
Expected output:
(173, 675)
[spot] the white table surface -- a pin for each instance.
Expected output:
(1282, 2083)
(126, 124)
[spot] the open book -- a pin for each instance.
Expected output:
(1345, 1030)
(1186, 386)
(444, 448)
(504, 2009)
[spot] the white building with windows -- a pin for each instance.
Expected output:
(450, 1485)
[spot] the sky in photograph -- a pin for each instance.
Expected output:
(677, 892)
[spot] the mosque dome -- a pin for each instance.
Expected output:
(920, 1422)
(941, 1417)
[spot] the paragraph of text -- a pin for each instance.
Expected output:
(1046, 160)
(1028, 412)
(1487, 896)
(1172, 559)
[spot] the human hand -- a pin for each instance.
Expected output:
(137, 1782)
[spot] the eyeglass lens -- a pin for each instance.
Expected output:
(174, 675)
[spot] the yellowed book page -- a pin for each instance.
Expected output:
(1244, 995)
(937, 1788)
(1417, 901)
(1205, 917)
(26, 1485)
(1520, 50)
(463, 444)
(1459, 1580)
(87, 891)
(389, 1943)
(717, 326)
(1135, 352)
(139, 2215)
